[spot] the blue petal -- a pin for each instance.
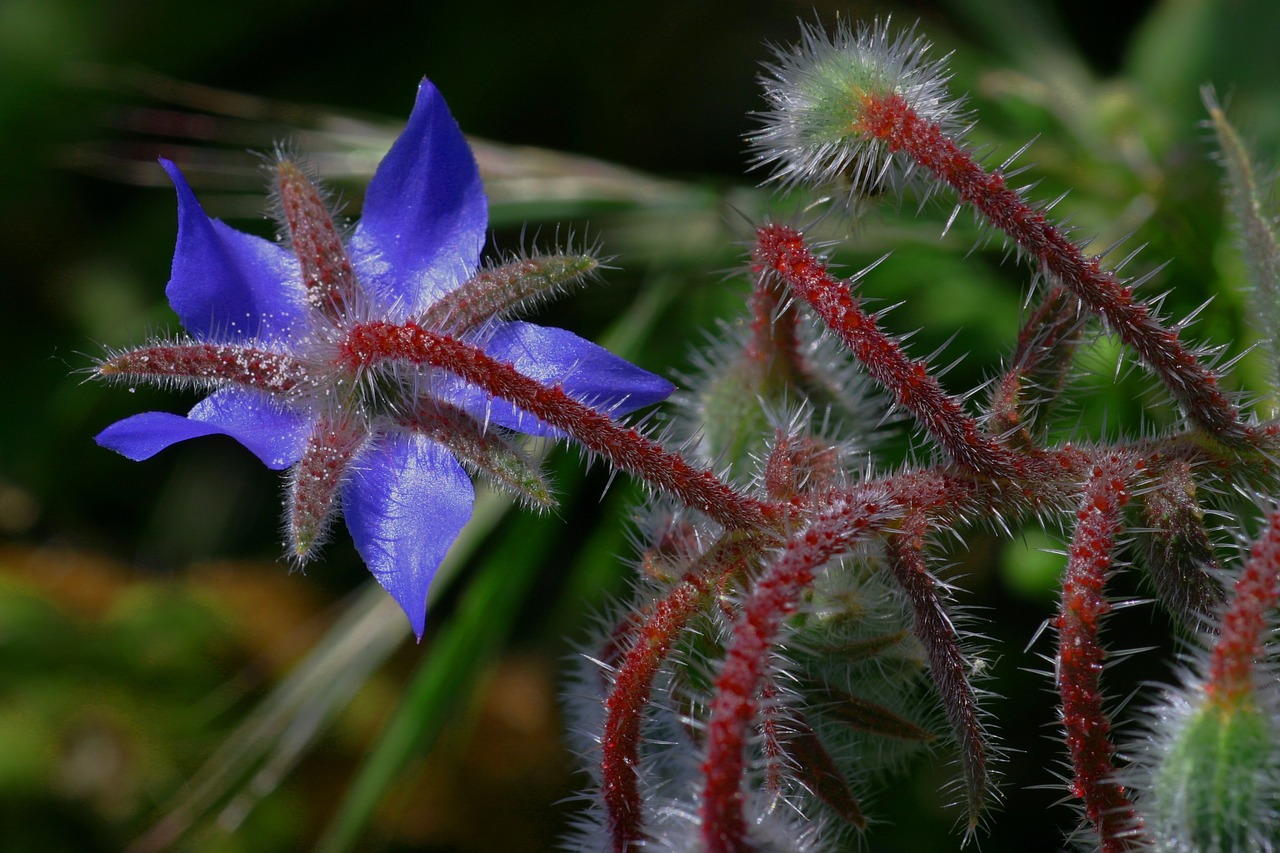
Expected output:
(227, 285)
(587, 372)
(275, 435)
(405, 503)
(425, 214)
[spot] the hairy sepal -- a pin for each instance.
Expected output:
(312, 501)
(1216, 785)
(1178, 554)
(485, 451)
(503, 290)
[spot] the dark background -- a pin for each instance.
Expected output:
(107, 565)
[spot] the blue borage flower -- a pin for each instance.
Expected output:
(383, 445)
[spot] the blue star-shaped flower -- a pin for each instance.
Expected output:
(382, 442)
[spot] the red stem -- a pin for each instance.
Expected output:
(783, 251)
(632, 685)
(368, 344)
(933, 627)
(1080, 657)
(736, 704)
(890, 119)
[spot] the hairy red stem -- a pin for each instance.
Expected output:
(933, 627)
(783, 251)
(890, 119)
(1080, 657)
(736, 703)
(632, 685)
(370, 343)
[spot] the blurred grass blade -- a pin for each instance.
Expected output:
(250, 763)
(209, 133)
(1250, 199)
(257, 755)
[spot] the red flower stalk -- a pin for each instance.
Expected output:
(833, 531)
(625, 705)
(889, 119)
(933, 627)
(1242, 635)
(783, 251)
(376, 342)
(1080, 657)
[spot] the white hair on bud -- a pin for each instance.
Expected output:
(809, 134)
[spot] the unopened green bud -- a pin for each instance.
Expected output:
(1215, 788)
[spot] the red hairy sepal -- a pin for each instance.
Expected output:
(314, 480)
(1243, 633)
(327, 274)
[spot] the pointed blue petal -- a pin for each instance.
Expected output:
(273, 434)
(587, 372)
(405, 503)
(227, 285)
(425, 214)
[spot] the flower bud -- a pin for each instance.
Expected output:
(1215, 788)
(813, 131)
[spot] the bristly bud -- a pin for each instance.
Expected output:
(1178, 553)
(749, 378)
(1214, 760)
(1218, 785)
(812, 132)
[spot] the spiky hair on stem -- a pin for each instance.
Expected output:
(811, 133)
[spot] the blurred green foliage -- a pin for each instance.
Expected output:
(127, 654)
